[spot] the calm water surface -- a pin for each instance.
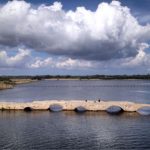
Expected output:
(131, 90)
(68, 130)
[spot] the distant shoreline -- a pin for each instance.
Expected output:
(8, 82)
(76, 77)
(90, 79)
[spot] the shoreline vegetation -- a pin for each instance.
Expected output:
(7, 82)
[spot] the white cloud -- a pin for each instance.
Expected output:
(141, 59)
(39, 63)
(18, 60)
(60, 63)
(24, 59)
(109, 32)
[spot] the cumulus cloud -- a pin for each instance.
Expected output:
(18, 60)
(109, 32)
(141, 59)
(60, 63)
(23, 58)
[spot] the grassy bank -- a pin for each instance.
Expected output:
(4, 85)
(7, 83)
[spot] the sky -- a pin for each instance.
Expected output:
(75, 37)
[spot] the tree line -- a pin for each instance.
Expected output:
(83, 77)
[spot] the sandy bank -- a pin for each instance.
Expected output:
(5, 86)
(22, 81)
(9, 85)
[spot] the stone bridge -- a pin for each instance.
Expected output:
(67, 105)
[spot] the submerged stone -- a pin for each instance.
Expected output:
(55, 108)
(114, 110)
(80, 109)
(144, 110)
(28, 109)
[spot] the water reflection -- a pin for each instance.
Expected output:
(69, 130)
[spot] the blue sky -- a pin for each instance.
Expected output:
(77, 37)
(142, 5)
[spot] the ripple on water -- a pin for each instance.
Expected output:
(68, 130)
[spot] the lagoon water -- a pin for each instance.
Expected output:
(127, 90)
(45, 130)
(68, 130)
